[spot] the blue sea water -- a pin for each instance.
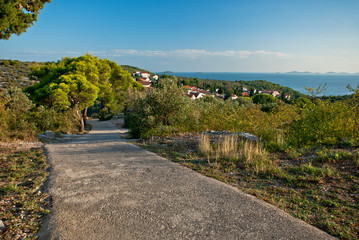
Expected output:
(336, 83)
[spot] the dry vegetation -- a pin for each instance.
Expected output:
(23, 202)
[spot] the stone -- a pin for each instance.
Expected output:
(2, 226)
(42, 137)
(49, 134)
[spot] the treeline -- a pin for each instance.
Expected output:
(166, 110)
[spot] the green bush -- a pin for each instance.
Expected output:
(164, 106)
(264, 99)
(322, 123)
(21, 119)
(16, 115)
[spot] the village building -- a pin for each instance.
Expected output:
(145, 75)
(234, 97)
(287, 96)
(274, 93)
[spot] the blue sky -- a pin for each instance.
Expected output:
(198, 35)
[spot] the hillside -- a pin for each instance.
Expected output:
(15, 73)
(132, 69)
(236, 86)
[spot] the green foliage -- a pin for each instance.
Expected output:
(302, 102)
(268, 107)
(212, 85)
(74, 84)
(21, 119)
(165, 106)
(244, 101)
(72, 91)
(78, 82)
(132, 69)
(322, 123)
(264, 99)
(353, 103)
(15, 115)
(312, 171)
(18, 15)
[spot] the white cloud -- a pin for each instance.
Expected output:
(49, 53)
(187, 53)
(182, 53)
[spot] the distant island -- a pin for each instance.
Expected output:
(306, 72)
(338, 73)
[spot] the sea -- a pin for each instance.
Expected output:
(336, 83)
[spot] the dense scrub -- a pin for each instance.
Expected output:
(167, 110)
(21, 119)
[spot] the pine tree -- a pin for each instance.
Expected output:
(18, 15)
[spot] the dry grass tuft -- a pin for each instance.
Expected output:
(253, 154)
(204, 145)
(257, 158)
(228, 147)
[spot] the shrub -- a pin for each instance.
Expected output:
(15, 115)
(322, 123)
(264, 99)
(165, 106)
(268, 107)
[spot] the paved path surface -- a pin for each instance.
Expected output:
(106, 188)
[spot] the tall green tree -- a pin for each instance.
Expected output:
(18, 15)
(73, 91)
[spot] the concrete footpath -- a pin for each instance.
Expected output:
(106, 188)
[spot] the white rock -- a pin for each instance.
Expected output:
(2, 225)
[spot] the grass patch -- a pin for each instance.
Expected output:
(321, 189)
(22, 203)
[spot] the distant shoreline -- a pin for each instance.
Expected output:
(336, 82)
(293, 72)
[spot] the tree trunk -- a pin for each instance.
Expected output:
(82, 125)
(85, 116)
(102, 104)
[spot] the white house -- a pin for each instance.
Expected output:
(145, 75)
